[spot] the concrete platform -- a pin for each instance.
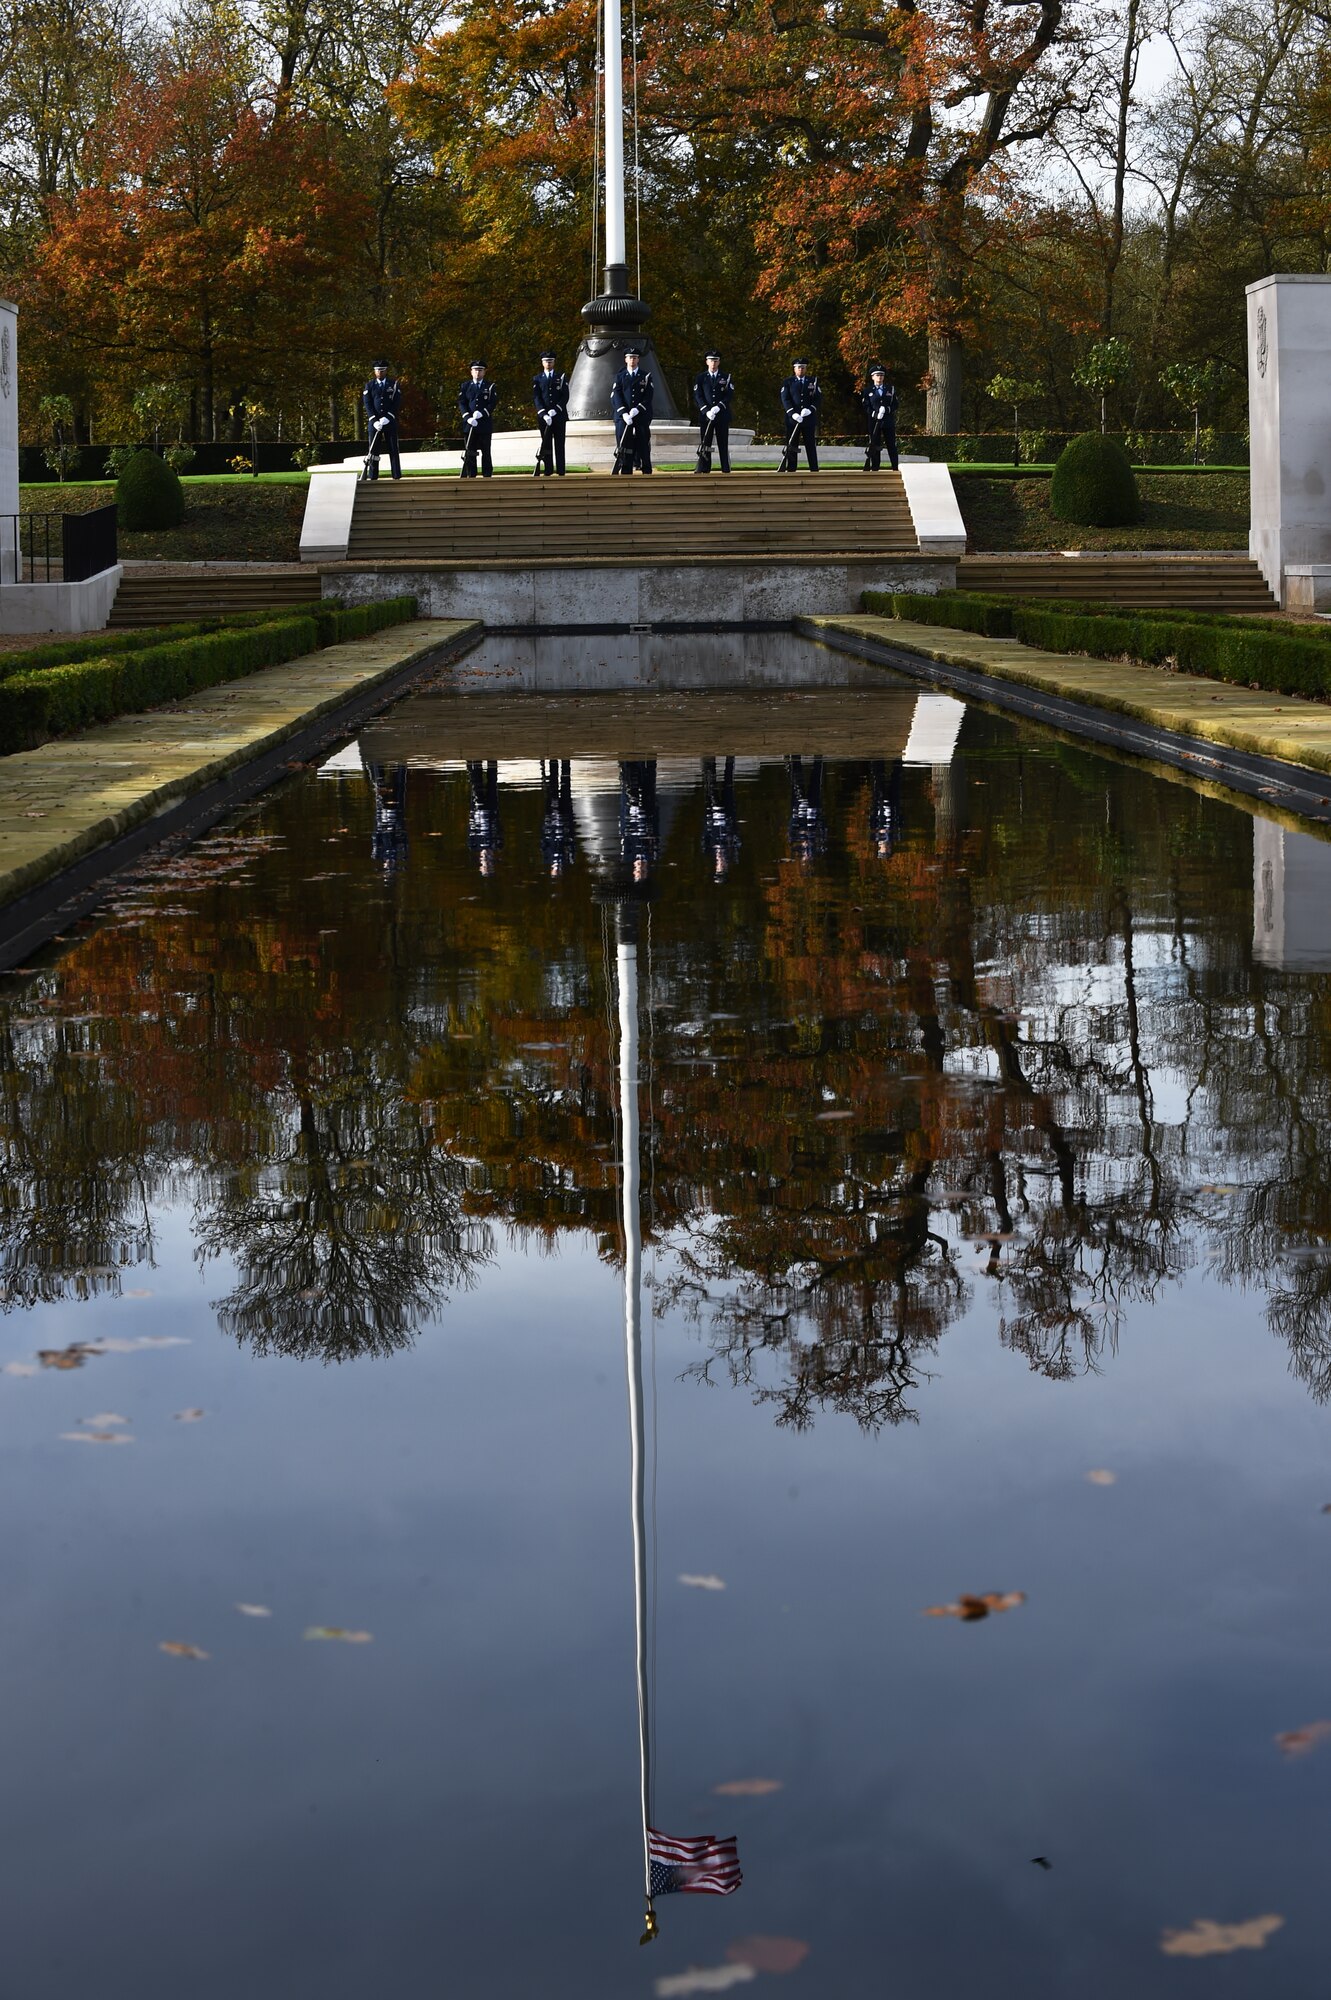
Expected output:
(70, 799)
(768, 590)
(1274, 747)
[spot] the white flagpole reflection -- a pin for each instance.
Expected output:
(626, 965)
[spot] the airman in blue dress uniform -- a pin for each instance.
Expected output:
(713, 394)
(477, 400)
(549, 392)
(879, 403)
(631, 398)
(382, 400)
(801, 400)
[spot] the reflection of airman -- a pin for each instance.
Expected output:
(720, 824)
(885, 809)
(388, 842)
(808, 828)
(639, 823)
(557, 828)
(485, 836)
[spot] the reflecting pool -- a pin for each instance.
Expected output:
(932, 1112)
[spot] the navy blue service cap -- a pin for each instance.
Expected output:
(631, 349)
(478, 364)
(548, 355)
(712, 354)
(877, 368)
(799, 362)
(378, 364)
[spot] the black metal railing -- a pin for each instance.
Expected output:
(88, 543)
(55, 548)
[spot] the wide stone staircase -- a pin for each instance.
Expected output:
(171, 595)
(585, 518)
(1207, 582)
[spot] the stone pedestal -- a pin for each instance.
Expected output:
(1289, 404)
(8, 436)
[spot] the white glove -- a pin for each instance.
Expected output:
(547, 416)
(714, 412)
(800, 415)
(475, 417)
(381, 423)
(635, 411)
(881, 411)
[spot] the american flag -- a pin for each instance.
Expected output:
(703, 1866)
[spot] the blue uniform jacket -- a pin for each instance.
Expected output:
(801, 393)
(709, 390)
(481, 396)
(879, 405)
(550, 392)
(382, 399)
(630, 389)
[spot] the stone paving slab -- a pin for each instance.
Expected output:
(69, 797)
(1262, 725)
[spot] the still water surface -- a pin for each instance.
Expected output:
(984, 1146)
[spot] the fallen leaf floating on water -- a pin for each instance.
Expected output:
(748, 1788)
(139, 1292)
(1098, 1476)
(180, 1649)
(72, 1356)
(254, 1611)
(703, 1979)
(703, 1582)
(1298, 1742)
(96, 1437)
(341, 1632)
(80, 1351)
(968, 1609)
(1211, 1940)
(105, 1420)
(188, 1416)
(768, 1954)
(1041, 1861)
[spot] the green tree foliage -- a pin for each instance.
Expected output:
(1093, 484)
(149, 494)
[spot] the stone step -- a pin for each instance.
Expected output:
(146, 597)
(1189, 583)
(583, 517)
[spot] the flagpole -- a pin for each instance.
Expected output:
(630, 1182)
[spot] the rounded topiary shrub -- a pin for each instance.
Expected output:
(1093, 484)
(149, 494)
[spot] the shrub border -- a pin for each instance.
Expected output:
(56, 698)
(1244, 651)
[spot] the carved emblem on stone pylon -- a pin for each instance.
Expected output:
(1261, 340)
(6, 362)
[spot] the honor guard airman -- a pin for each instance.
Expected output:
(549, 392)
(382, 401)
(477, 400)
(631, 400)
(801, 400)
(713, 394)
(879, 403)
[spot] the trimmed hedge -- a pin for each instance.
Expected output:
(103, 645)
(148, 493)
(1093, 484)
(54, 699)
(1244, 651)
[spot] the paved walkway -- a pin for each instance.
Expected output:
(1262, 725)
(68, 798)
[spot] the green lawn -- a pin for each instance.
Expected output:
(1181, 510)
(226, 519)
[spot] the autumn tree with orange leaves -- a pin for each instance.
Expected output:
(217, 249)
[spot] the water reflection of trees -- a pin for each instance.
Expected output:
(1026, 1044)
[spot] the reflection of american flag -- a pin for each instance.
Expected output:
(704, 1866)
